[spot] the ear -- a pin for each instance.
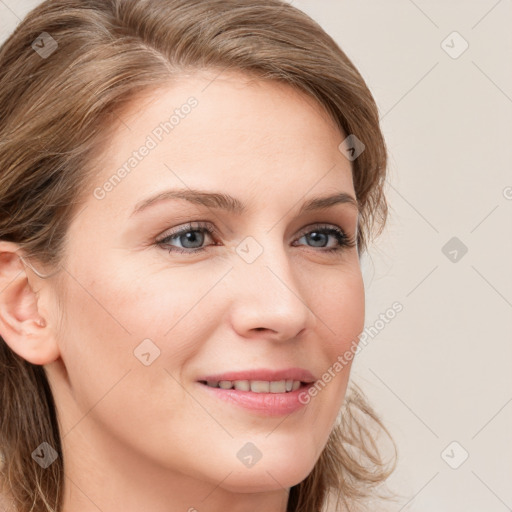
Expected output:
(22, 326)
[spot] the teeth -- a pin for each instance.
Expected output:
(260, 386)
(242, 385)
(257, 386)
(278, 387)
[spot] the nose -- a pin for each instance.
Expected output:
(270, 299)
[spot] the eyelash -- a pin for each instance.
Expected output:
(344, 240)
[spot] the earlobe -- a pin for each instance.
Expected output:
(22, 326)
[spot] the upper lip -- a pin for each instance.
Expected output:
(265, 374)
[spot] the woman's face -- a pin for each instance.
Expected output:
(147, 314)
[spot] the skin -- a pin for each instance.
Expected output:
(139, 437)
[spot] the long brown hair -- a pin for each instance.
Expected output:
(56, 110)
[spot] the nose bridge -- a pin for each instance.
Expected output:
(268, 257)
(268, 290)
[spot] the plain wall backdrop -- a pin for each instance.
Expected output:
(438, 373)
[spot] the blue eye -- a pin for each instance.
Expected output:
(321, 234)
(192, 237)
(185, 240)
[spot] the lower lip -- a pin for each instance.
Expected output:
(268, 404)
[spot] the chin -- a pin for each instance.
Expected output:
(266, 477)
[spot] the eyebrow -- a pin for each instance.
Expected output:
(233, 205)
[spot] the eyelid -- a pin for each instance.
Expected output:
(189, 226)
(319, 225)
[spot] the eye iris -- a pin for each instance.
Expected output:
(191, 236)
(316, 236)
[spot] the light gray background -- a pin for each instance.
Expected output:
(441, 370)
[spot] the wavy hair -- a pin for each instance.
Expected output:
(56, 113)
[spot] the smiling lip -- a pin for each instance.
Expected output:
(265, 404)
(264, 374)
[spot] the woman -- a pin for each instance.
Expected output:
(186, 191)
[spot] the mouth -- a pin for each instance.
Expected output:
(261, 391)
(277, 396)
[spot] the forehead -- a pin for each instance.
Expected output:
(228, 131)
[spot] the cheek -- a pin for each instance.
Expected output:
(115, 316)
(107, 317)
(341, 310)
(113, 324)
